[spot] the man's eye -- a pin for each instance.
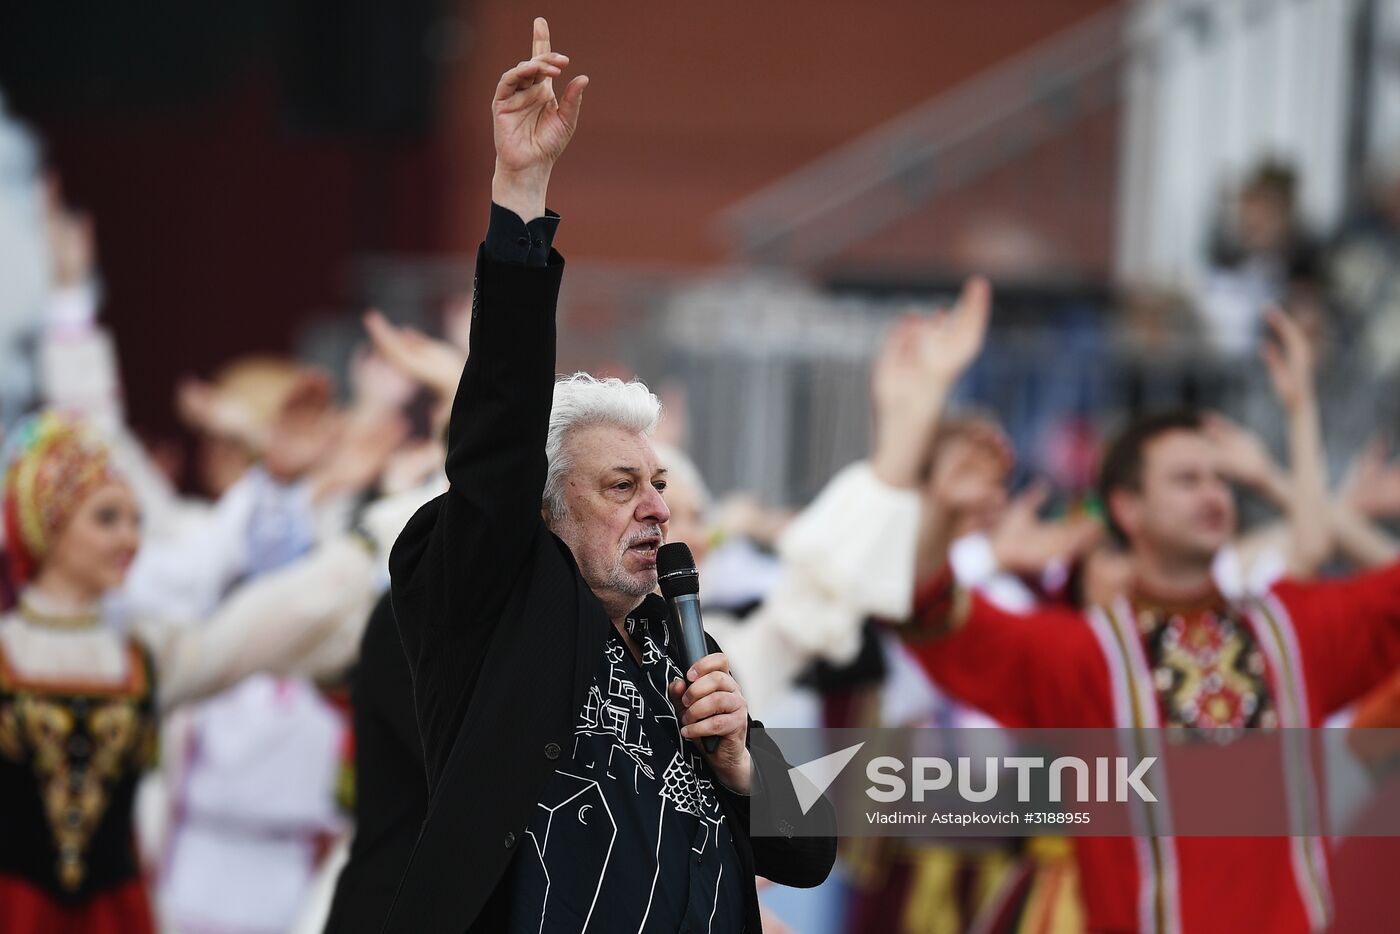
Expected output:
(660, 486)
(623, 485)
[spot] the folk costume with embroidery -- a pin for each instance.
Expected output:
(81, 688)
(1285, 659)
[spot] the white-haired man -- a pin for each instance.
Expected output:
(568, 791)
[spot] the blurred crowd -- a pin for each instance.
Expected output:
(1338, 285)
(223, 621)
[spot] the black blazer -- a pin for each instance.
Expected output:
(483, 592)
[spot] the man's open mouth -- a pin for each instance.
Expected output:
(646, 547)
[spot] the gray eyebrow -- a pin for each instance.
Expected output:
(637, 471)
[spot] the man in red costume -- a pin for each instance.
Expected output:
(1173, 651)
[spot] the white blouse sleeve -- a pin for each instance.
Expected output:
(184, 576)
(304, 619)
(267, 625)
(383, 520)
(847, 556)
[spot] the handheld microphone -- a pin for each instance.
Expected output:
(680, 585)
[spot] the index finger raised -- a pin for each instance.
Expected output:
(540, 46)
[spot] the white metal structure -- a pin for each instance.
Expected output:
(1213, 87)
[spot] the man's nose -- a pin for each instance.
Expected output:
(653, 508)
(1218, 497)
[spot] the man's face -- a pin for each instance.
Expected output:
(614, 513)
(1264, 220)
(1185, 509)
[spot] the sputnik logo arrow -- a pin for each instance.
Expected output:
(811, 779)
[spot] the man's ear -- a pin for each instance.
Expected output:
(1125, 507)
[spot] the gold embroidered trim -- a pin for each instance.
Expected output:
(1292, 679)
(56, 620)
(1159, 882)
(77, 751)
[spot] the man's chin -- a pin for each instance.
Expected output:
(647, 580)
(635, 583)
(1206, 547)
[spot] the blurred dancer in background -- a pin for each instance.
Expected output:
(82, 684)
(1288, 656)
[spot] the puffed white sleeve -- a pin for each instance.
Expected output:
(383, 521)
(267, 625)
(848, 556)
(304, 619)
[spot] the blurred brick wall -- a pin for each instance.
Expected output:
(693, 106)
(223, 229)
(220, 231)
(1044, 217)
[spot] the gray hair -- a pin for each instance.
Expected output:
(581, 400)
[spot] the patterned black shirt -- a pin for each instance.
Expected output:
(628, 834)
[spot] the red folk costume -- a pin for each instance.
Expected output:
(1287, 659)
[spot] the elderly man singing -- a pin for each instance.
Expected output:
(569, 789)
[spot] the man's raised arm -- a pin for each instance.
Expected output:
(453, 566)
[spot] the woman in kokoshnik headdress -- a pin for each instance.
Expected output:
(82, 689)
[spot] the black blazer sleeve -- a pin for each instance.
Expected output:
(801, 861)
(390, 794)
(455, 563)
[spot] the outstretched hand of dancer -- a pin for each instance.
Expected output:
(922, 359)
(429, 361)
(1024, 543)
(1290, 361)
(949, 341)
(532, 125)
(1372, 483)
(1242, 455)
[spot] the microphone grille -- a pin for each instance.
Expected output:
(675, 570)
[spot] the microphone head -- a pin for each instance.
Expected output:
(675, 570)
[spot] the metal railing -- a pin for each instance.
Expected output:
(941, 146)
